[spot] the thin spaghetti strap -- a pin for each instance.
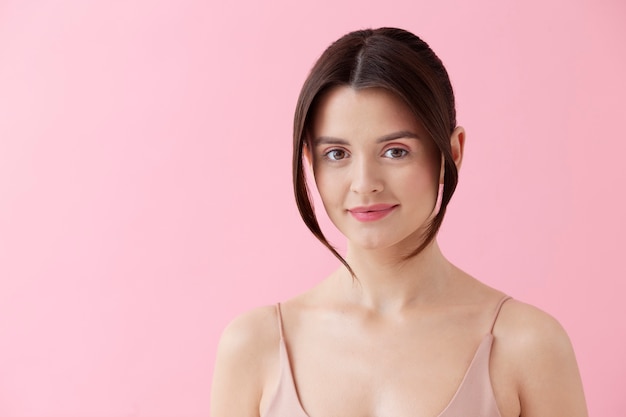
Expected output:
(280, 320)
(498, 308)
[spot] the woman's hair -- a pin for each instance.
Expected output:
(399, 62)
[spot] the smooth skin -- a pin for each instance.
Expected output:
(397, 341)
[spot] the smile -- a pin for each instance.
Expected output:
(372, 213)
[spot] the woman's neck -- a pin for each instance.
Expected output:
(386, 282)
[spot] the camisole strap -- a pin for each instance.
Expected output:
(498, 308)
(280, 321)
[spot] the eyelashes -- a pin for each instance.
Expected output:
(338, 154)
(335, 154)
(396, 153)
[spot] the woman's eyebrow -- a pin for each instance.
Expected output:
(329, 140)
(398, 135)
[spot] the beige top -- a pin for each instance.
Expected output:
(474, 397)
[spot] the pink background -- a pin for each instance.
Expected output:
(145, 195)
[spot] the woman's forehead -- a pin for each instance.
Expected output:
(346, 111)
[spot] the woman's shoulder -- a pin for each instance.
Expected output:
(526, 327)
(246, 356)
(254, 331)
(520, 324)
(533, 349)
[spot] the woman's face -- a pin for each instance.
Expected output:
(375, 167)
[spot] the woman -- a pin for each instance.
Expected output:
(397, 330)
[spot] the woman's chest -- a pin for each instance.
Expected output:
(394, 377)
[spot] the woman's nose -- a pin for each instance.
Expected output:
(366, 177)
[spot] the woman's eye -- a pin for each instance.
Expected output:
(336, 154)
(395, 153)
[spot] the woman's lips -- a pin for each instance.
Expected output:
(372, 213)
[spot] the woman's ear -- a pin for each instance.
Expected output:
(457, 145)
(308, 156)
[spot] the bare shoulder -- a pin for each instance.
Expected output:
(246, 355)
(251, 332)
(535, 352)
(525, 327)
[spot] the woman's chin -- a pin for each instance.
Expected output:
(372, 244)
(386, 244)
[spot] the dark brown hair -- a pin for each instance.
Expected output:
(397, 61)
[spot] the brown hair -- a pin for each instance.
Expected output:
(388, 58)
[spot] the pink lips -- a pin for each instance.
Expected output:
(371, 213)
